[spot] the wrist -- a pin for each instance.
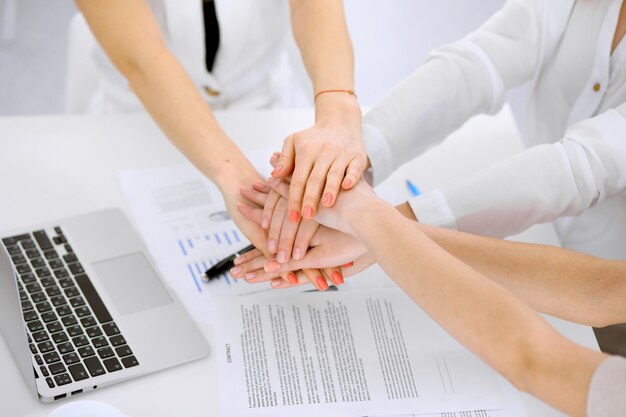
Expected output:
(364, 214)
(233, 172)
(337, 107)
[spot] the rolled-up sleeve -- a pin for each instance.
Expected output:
(457, 81)
(539, 184)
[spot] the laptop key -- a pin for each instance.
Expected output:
(48, 282)
(106, 352)
(71, 292)
(50, 382)
(112, 364)
(59, 240)
(64, 310)
(80, 341)
(23, 295)
(63, 379)
(27, 305)
(88, 321)
(42, 239)
(66, 283)
(130, 361)
(82, 311)
(94, 331)
(57, 301)
(38, 263)
(94, 366)
(38, 360)
(70, 257)
(45, 347)
(59, 337)
(23, 268)
(44, 371)
(50, 254)
(38, 297)
(53, 290)
(14, 250)
(61, 273)
(51, 357)
(92, 296)
(32, 348)
(35, 326)
(58, 231)
(28, 278)
(43, 307)
(68, 248)
(123, 351)
(54, 327)
(110, 329)
(33, 287)
(33, 253)
(18, 259)
(76, 268)
(48, 317)
(77, 302)
(56, 263)
(78, 372)
(40, 336)
(86, 351)
(71, 358)
(117, 340)
(43, 272)
(14, 239)
(99, 342)
(69, 321)
(30, 316)
(28, 243)
(74, 331)
(56, 368)
(65, 348)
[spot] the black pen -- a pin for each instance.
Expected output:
(224, 265)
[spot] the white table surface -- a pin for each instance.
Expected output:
(54, 167)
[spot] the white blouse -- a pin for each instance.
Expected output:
(575, 127)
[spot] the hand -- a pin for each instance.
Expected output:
(324, 158)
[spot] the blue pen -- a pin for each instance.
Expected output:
(413, 188)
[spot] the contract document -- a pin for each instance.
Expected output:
(358, 353)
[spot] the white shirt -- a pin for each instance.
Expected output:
(576, 125)
(253, 36)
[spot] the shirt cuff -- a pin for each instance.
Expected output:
(431, 208)
(378, 152)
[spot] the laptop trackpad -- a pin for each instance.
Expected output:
(132, 283)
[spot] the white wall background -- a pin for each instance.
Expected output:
(391, 38)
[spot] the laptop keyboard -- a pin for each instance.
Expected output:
(71, 334)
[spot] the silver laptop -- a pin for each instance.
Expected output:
(82, 306)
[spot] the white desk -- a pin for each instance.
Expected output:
(53, 167)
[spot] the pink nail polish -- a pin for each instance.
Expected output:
(294, 216)
(328, 199)
(347, 182)
(281, 257)
(272, 266)
(297, 254)
(271, 246)
(249, 275)
(238, 260)
(292, 278)
(235, 271)
(321, 282)
(307, 212)
(276, 283)
(265, 223)
(337, 278)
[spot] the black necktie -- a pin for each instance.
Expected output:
(211, 33)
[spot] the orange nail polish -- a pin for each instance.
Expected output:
(292, 278)
(321, 282)
(348, 265)
(294, 216)
(337, 278)
(328, 199)
(277, 170)
(307, 212)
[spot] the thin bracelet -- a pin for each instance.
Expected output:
(351, 92)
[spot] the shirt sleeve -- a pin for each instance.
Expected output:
(537, 185)
(607, 390)
(457, 81)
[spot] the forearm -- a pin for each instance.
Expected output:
(479, 313)
(559, 282)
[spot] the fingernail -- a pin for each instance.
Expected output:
(277, 170)
(337, 278)
(292, 278)
(235, 271)
(328, 199)
(294, 216)
(271, 246)
(281, 257)
(321, 282)
(348, 265)
(265, 223)
(271, 266)
(276, 283)
(347, 182)
(297, 254)
(307, 212)
(238, 260)
(249, 275)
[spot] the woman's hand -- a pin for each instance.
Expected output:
(324, 158)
